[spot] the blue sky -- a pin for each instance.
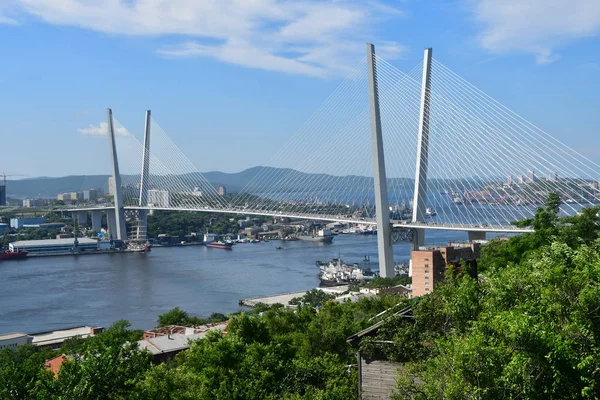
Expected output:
(231, 80)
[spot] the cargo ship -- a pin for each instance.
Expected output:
(219, 245)
(13, 255)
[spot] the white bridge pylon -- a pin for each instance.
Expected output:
(407, 151)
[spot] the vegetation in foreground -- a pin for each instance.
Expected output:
(528, 328)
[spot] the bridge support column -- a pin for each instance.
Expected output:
(382, 208)
(475, 235)
(119, 231)
(82, 217)
(420, 199)
(142, 228)
(96, 221)
(111, 221)
(418, 238)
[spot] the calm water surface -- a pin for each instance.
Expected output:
(48, 293)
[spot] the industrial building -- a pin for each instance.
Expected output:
(2, 195)
(13, 340)
(55, 246)
(55, 339)
(18, 223)
(28, 203)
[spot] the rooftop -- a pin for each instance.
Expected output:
(14, 335)
(178, 341)
(59, 336)
(52, 242)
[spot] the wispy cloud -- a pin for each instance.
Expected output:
(309, 37)
(534, 26)
(101, 130)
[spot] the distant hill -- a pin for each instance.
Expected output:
(234, 182)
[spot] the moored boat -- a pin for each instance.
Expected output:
(335, 273)
(13, 255)
(322, 236)
(219, 245)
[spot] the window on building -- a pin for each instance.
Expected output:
(427, 259)
(426, 283)
(427, 289)
(426, 265)
(426, 271)
(426, 277)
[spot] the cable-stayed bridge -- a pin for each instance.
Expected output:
(403, 151)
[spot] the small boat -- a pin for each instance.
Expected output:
(219, 245)
(278, 248)
(13, 255)
(430, 212)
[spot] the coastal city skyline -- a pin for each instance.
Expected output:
(202, 84)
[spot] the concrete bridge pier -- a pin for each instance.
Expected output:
(418, 239)
(96, 221)
(82, 217)
(111, 218)
(475, 235)
(142, 228)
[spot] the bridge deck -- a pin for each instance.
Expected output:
(333, 218)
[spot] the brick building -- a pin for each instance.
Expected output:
(429, 264)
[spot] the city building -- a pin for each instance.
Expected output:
(54, 246)
(164, 343)
(221, 190)
(53, 365)
(530, 177)
(429, 264)
(92, 194)
(552, 177)
(18, 223)
(509, 181)
(520, 179)
(158, 198)
(28, 203)
(55, 339)
(14, 340)
(76, 196)
(2, 195)
(3, 227)
(64, 196)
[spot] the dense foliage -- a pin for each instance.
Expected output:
(270, 353)
(176, 223)
(528, 328)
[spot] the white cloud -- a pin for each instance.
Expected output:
(101, 130)
(308, 37)
(535, 26)
(7, 20)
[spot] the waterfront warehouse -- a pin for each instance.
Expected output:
(54, 246)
